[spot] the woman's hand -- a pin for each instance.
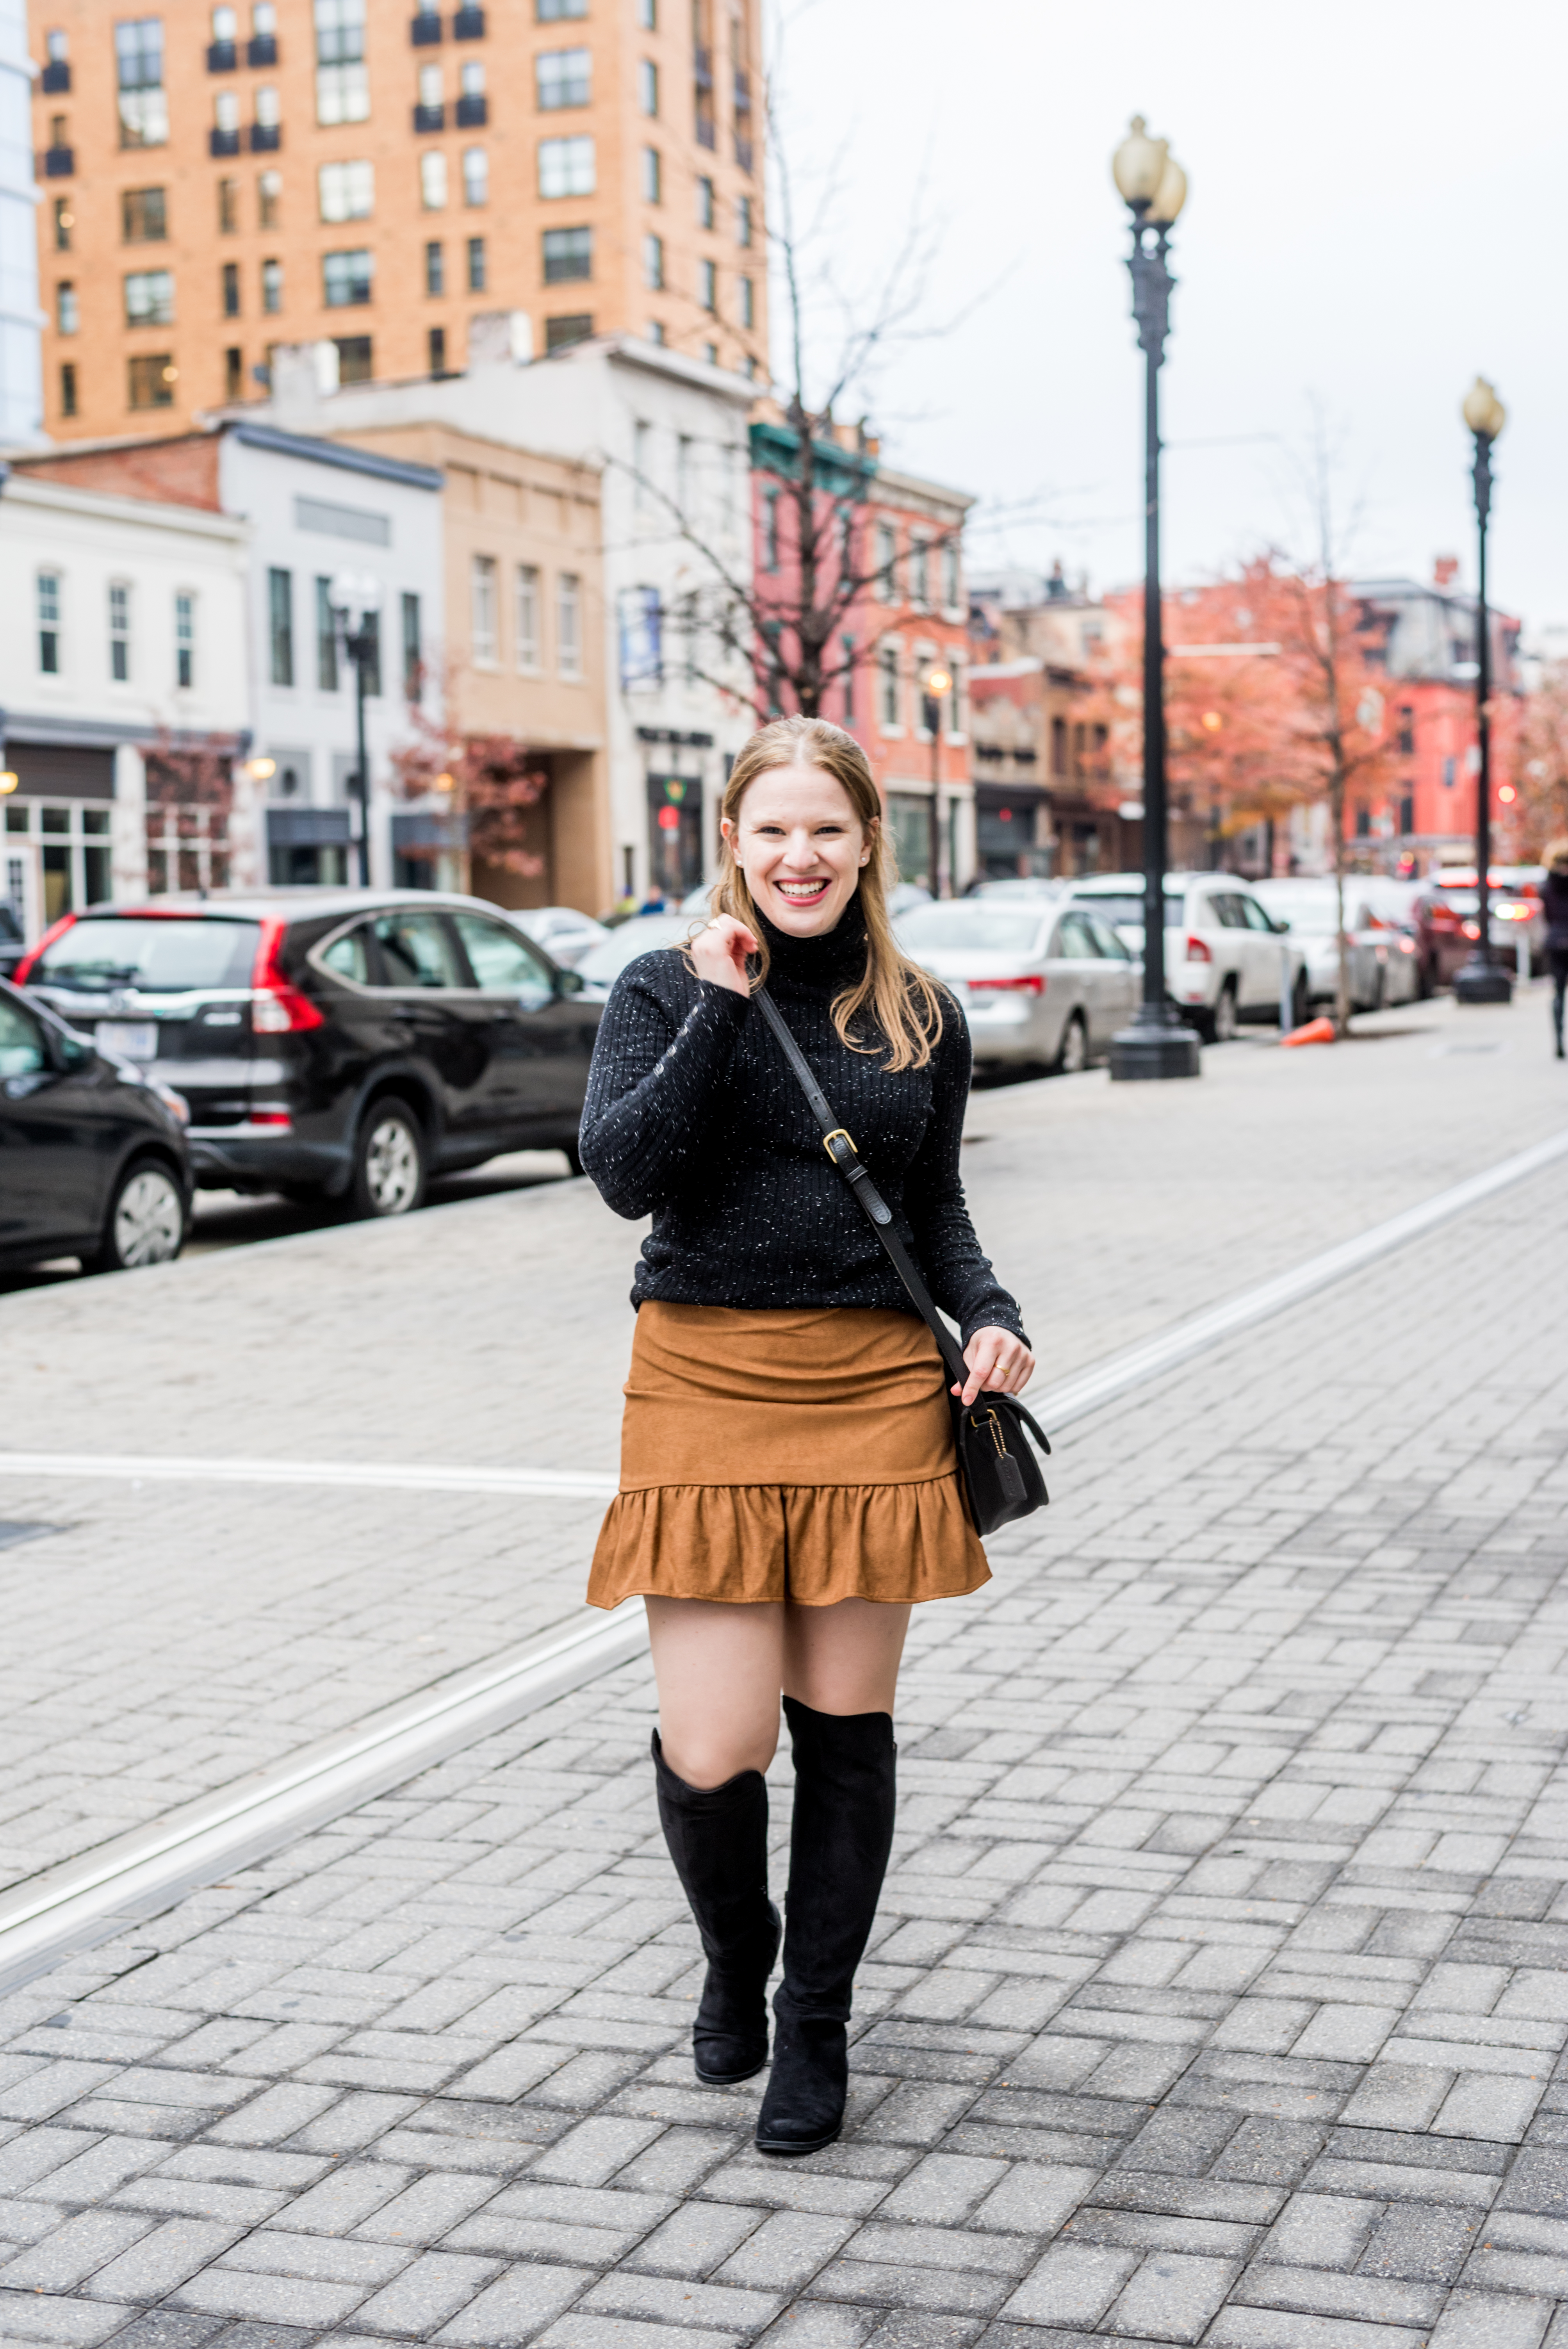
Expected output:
(997, 1360)
(718, 953)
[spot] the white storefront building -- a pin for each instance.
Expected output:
(668, 435)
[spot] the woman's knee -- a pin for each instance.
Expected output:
(709, 1753)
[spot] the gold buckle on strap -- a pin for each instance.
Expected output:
(839, 1134)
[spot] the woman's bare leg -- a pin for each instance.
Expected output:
(844, 1659)
(719, 1668)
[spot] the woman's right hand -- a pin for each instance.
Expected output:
(718, 953)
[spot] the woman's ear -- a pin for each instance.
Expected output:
(727, 830)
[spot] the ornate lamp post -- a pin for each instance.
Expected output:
(357, 617)
(938, 681)
(1153, 186)
(1482, 981)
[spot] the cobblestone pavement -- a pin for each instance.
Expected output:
(168, 1639)
(1218, 1992)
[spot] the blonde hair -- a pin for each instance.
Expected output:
(903, 1001)
(1555, 855)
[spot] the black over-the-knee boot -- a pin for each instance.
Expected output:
(717, 1838)
(845, 1797)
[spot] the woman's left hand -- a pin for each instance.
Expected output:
(997, 1360)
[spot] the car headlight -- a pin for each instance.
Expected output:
(175, 1103)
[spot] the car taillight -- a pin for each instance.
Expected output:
(278, 1008)
(1471, 929)
(1197, 951)
(1033, 983)
(24, 969)
(279, 1117)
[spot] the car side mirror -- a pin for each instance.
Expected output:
(1282, 926)
(66, 1052)
(568, 982)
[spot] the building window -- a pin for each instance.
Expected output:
(476, 176)
(563, 77)
(67, 315)
(1407, 735)
(918, 574)
(413, 652)
(326, 638)
(770, 503)
(138, 63)
(341, 84)
(231, 289)
(68, 387)
(268, 198)
(268, 116)
(435, 269)
(152, 379)
(847, 654)
(886, 563)
(433, 180)
(436, 350)
(649, 15)
(642, 466)
(144, 215)
(49, 623)
(707, 286)
(149, 298)
(569, 624)
(568, 253)
(431, 109)
(346, 191)
(272, 287)
(560, 333)
(228, 207)
(479, 267)
(184, 640)
(553, 11)
(347, 278)
(654, 262)
(566, 166)
(949, 576)
(748, 303)
(703, 203)
(471, 106)
(65, 221)
(233, 372)
(887, 687)
(527, 615)
(655, 333)
(653, 176)
(354, 358)
(648, 87)
(1059, 745)
(482, 609)
(743, 228)
(119, 633)
(280, 625)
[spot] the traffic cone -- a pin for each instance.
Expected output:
(1317, 1032)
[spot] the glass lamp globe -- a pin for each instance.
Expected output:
(1482, 411)
(1138, 166)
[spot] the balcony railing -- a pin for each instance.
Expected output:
(266, 138)
(54, 78)
(263, 50)
(472, 112)
(425, 29)
(429, 117)
(469, 25)
(223, 142)
(223, 56)
(60, 162)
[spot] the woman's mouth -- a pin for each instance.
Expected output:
(804, 892)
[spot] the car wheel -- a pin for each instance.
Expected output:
(388, 1161)
(1072, 1053)
(146, 1220)
(1223, 1029)
(1300, 1001)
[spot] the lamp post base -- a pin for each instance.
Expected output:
(1157, 1045)
(1482, 982)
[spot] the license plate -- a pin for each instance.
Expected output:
(133, 1039)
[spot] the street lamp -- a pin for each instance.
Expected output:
(1153, 186)
(1482, 981)
(938, 681)
(357, 617)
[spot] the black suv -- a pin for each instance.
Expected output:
(331, 1042)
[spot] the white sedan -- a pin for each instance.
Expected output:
(1038, 983)
(604, 961)
(1310, 904)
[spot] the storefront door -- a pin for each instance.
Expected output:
(675, 835)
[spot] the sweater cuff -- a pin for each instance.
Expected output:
(998, 1319)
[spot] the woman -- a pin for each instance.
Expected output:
(787, 1483)
(1554, 898)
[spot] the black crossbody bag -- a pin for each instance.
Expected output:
(1002, 1478)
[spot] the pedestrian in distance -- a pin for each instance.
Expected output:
(1554, 898)
(789, 1486)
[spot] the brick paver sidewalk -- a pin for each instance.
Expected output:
(1219, 1990)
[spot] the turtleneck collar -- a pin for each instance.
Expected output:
(826, 961)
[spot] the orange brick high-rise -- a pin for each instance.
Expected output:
(217, 180)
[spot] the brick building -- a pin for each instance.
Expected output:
(378, 175)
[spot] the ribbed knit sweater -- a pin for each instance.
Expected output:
(693, 1116)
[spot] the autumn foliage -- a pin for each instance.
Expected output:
(486, 783)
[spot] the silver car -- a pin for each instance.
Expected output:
(1310, 905)
(565, 934)
(607, 957)
(1038, 983)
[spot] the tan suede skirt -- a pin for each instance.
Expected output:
(804, 1454)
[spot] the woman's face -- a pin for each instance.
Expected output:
(802, 847)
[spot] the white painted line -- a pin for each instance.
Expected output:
(391, 1476)
(139, 1870)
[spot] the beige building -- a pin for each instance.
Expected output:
(376, 176)
(524, 649)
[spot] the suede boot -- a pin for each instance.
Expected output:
(717, 1838)
(845, 1796)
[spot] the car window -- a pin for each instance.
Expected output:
(349, 956)
(22, 1053)
(418, 951)
(1106, 940)
(159, 952)
(1075, 939)
(1226, 910)
(10, 927)
(1253, 914)
(1129, 909)
(503, 963)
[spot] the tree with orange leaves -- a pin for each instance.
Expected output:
(488, 783)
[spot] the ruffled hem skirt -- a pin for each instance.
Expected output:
(804, 1454)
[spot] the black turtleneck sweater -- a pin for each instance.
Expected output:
(693, 1116)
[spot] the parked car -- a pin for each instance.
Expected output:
(603, 964)
(93, 1156)
(1310, 904)
(1226, 959)
(1393, 906)
(1029, 885)
(1514, 905)
(1037, 983)
(565, 934)
(12, 945)
(331, 1042)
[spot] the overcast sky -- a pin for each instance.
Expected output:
(1375, 214)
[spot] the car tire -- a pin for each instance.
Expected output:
(1300, 1001)
(1224, 1019)
(1072, 1052)
(146, 1222)
(389, 1161)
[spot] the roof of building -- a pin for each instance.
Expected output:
(336, 452)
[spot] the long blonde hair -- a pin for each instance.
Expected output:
(904, 1001)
